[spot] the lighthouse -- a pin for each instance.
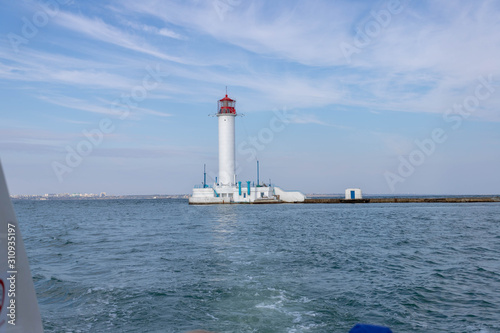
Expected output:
(226, 189)
(226, 115)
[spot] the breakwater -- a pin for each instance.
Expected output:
(372, 200)
(403, 200)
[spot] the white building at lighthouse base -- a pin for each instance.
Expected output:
(241, 194)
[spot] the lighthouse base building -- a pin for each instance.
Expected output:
(227, 189)
(250, 194)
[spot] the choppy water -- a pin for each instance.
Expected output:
(164, 266)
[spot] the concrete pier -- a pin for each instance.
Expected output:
(403, 200)
(366, 200)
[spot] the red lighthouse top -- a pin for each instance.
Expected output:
(226, 105)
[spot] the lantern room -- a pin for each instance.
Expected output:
(226, 105)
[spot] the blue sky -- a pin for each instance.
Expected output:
(389, 96)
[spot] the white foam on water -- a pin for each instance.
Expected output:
(302, 328)
(211, 316)
(304, 299)
(280, 303)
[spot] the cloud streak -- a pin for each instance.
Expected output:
(97, 29)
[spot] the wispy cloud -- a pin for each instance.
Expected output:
(31, 139)
(297, 118)
(261, 27)
(153, 30)
(106, 109)
(58, 69)
(97, 29)
(79, 104)
(71, 121)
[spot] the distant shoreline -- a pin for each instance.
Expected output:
(110, 197)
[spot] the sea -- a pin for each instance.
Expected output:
(165, 266)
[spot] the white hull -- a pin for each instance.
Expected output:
(19, 306)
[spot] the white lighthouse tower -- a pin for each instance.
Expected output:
(226, 189)
(226, 115)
